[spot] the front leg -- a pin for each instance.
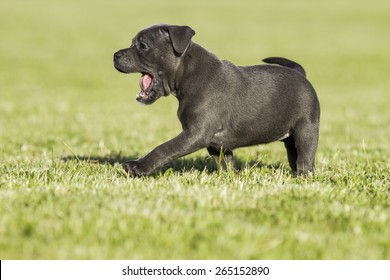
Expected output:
(185, 143)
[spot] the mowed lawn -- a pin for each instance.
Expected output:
(68, 119)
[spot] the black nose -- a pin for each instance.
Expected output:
(118, 55)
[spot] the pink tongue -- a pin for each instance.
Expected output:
(146, 81)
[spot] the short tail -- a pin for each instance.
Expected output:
(286, 63)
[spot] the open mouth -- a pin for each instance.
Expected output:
(147, 95)
(146, 82)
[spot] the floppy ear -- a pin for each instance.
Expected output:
(180, 37)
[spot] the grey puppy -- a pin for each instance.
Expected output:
(221, 106)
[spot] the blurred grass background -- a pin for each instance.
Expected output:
(60, 55)
(58, 85)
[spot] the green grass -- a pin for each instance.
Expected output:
(68, 119)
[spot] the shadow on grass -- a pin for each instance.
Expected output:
(206, 164)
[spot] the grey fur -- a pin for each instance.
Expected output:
(222, 106)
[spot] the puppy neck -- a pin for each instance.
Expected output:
(196, 61)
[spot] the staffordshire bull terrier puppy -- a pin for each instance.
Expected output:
(221, 106)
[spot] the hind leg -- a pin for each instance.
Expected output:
(226, 160)
(292, 154)
(306, 143)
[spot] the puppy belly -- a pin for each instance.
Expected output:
(230, 141)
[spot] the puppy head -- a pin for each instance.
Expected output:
(156, 52)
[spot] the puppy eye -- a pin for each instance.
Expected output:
(143, 46)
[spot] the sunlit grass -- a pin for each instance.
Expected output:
(68, 119)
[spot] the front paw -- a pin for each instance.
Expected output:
(135, 168)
